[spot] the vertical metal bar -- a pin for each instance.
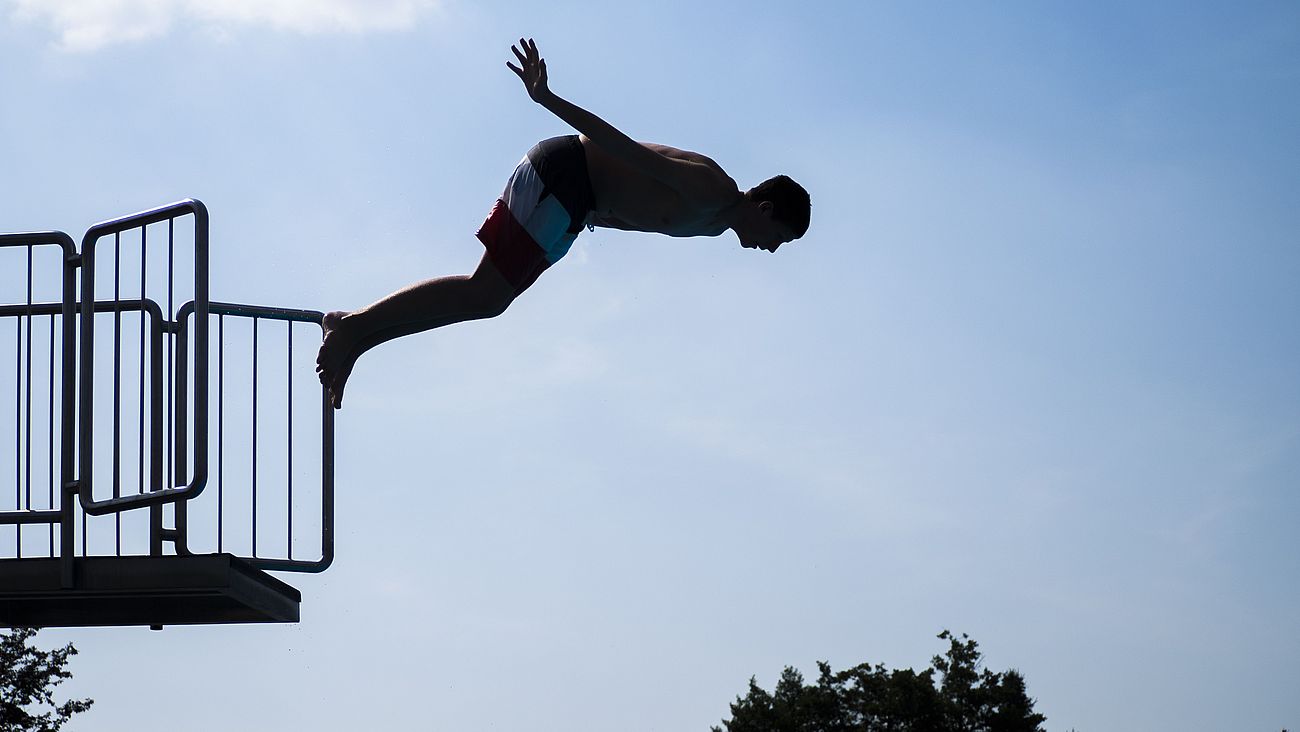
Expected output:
(171, 315)
(18, 415)
(156, 446)
(144, 268)
(254, 437)
(167, 479)
(185, 476)
(327, 470)
(28, 430)
(67, 447)
(201, 353)
(181, 390)
(289, 441)
(144, 259)
(180, 443)
(117, 382)
(50, 465)
(221, 423)
(79, 462)
(18, 433)
(155, 512)
(18, 420)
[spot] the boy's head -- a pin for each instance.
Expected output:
(784, 209)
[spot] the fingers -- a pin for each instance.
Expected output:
(530, 60)
(530, 54)
(522, 53)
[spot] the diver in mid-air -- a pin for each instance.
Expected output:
(600, 177)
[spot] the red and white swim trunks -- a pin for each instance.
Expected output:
(544, 207)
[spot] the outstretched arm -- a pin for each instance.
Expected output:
(690, 178)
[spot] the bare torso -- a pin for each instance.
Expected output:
(630, 200)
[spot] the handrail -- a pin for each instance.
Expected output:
(67, 309)
(277, 313)
(86, 456)
(327, 435)
(157, 494)
(31, 517)
(41, 309)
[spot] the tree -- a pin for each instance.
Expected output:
(868, 698)
(28, 676)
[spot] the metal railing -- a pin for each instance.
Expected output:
(58, 512)
(115, 228)
(170, 429)
(256, 415)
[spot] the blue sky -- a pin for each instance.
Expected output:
(1031, 375)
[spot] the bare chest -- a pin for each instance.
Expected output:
(654, 208)
(626, 199)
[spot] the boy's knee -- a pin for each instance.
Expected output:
(490, 302)
(497, 303)
(492, 293)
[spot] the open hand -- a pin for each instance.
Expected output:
(533, 71)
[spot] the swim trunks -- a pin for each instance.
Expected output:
(544, 206)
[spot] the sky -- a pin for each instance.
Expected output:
(1031, 375)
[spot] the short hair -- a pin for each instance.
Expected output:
(791, 204)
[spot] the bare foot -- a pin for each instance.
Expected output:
(336, 357)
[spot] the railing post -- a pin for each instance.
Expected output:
(68, 382)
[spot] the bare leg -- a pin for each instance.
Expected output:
(419, 307)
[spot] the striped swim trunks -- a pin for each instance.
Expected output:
(544, 206)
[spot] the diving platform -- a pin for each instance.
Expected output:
(144, 590)
(160, 452)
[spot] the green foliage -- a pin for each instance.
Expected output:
(868, 698)
(28, 676)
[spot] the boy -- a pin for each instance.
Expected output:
(600, 177)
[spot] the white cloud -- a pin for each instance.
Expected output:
(88, 25)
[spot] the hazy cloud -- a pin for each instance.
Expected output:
(88, 25)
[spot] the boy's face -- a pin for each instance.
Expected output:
(763, 232)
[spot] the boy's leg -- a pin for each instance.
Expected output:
(419, 307)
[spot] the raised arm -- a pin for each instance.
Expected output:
(696, 180)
